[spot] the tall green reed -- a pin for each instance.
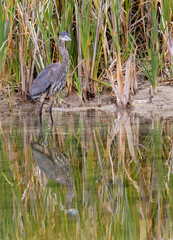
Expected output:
(5, 22)
(151, 61)
(89, 22)
(104, 35)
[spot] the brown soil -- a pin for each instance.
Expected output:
(161, 104)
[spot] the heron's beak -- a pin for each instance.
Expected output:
(66, 38)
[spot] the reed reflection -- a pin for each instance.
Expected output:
(118, 175)
(137, 151)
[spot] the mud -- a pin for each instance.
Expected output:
(160, 105)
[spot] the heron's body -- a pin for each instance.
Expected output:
(52, 79)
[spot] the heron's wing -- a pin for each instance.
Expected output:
(43, 80)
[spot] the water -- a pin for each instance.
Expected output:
(95, 175)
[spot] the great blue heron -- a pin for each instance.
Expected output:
(52, 78)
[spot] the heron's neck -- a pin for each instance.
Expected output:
(64, 53)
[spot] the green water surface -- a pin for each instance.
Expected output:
(94, 175)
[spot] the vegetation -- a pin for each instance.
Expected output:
(111, 40)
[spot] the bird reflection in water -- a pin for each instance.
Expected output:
(56, 166)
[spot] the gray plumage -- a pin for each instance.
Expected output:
(52, 78)
(45, 78)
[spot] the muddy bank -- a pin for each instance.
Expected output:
(161, 104)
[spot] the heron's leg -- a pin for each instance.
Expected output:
(40, 112)
(41, 106)
(50, 109)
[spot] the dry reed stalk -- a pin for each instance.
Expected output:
(23, 34)
(133, 79)
(169, 44)
(36, 47)
(149, 21)
(119, 77)
(127, 81)
(104, 44)
(122, 91)
(111, 79)
(86, 81)
(142, 10)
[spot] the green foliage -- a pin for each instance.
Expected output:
(5, 21)
(151, 65)
(166, 8)
(108, 32)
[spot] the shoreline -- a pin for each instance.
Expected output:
(161, 104)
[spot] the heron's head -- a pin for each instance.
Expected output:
(64, 36)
